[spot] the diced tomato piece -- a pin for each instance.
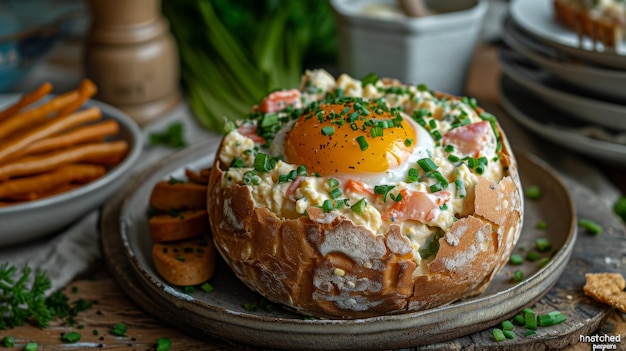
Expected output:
(471, 139)
(280, 99)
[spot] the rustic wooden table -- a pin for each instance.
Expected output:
(113, 306)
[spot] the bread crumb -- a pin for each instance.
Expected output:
(607, 288)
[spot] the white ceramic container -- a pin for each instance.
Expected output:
(435, 50)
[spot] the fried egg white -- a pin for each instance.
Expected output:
(354, 140)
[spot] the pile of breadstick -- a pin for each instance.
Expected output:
(50, 146)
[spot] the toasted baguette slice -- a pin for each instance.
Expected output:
(186, 262)
(183, 225)
(167, 196)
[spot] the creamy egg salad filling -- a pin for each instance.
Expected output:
(428, 184)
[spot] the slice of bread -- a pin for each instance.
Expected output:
(185, 262)
(176, 225)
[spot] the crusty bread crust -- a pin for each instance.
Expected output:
(324, 265)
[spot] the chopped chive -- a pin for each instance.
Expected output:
(516, 259)
(460, 187)
(376, 132)
(507, 325)
(518, 319)
(518, 276)
(383, 190)
(509, 334)
(362, 142)
(31, 346)
(541, 224)
(327, 206)
(530, 321)
(427, 164)
(453, 158)
(544, 261)
(359, 206)
(532, 256)
(335, 193)
(544, 320)
(533, 192)
(206, 287)
(449, 148)
(163, 344)
(422, 87)
(71, 337)
(542, 245)
(332, 183)
(8, 341)
(408, 141)
(530, 333)
(435, 187)
(498, 334)
(188, 289)
(264, 163)
(328, 130)
(590, 226)
(413, 175)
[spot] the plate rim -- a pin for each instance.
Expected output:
(579, 74)
(363, 327)
(580, 143)
(558, 98)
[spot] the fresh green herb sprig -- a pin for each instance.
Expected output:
(173, 136)
(21, 303)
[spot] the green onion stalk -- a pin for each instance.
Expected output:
(235, 52)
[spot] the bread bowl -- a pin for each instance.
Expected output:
(319, 207)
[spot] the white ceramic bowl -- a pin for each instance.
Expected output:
(31, 220)
(435, 50)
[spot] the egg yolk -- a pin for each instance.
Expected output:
(349, 137)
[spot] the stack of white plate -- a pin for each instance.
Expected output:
(562, 90)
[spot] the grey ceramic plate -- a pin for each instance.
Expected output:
(593, 79)
(220, 314)
(555, 126)
(32, 220)
(578, 104)
(536, 17)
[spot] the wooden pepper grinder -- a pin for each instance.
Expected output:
(132, 57)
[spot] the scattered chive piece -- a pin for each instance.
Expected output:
(332, 182)
(413, 175)
(542, 225)
(164, 344)
(359, 206)
(533, 192)
(516, 259)
(544, 261)
(31, 346)
(119, 329)
(408, 141)
(206, 287)
(530, 333)
(180, 258)
(427, 164)
(518, 319)
(544, 320)
(8, 341)
(335, 193)
(532, 256)
(530, 321)
(590, 226)
(543, 245)
(509, 334)
(498, 334)
(362, 142)
(518, 276)
(71, 337)
(557, 317)
(188, 289)
(328, 130)
(264, 163)
(507, 325)
(94, 332)
(460, 187)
